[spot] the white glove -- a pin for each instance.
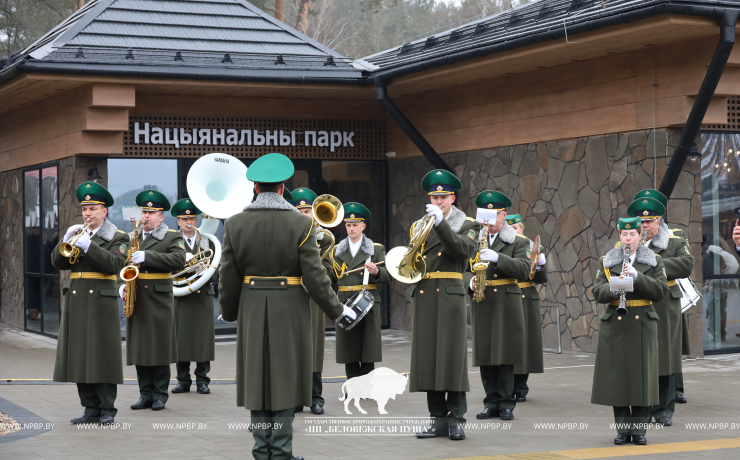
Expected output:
(120, 291)
(188, 256)
(433, 210)
(138, 257)
(83, 242)
(632, 272)
(541, 261)
(489, 255)
(349, 313)
(714, 249)
(220, 318)
(71, 231)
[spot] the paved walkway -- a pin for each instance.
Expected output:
(557, 422)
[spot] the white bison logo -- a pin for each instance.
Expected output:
(381, 385)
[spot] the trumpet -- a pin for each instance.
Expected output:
(130, 272)
(405, 263)
(200, 262)
(327, 212)
(69, 249)
(479, 269)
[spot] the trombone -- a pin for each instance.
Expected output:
(328, 212)
(68, 249)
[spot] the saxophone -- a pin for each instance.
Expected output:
(479, 285)
(130, 272)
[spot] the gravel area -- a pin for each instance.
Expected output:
(8, 425)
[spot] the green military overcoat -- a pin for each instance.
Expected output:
(271, 238)
(195, 329)
(685, 343)
(533, 356)
(318, 317)
(439, 341)
(151, 338)
(626, 370)
(362, 343)
(498, 321)
(678, 263)
(89, 344)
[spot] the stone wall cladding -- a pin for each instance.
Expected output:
(570, 192)
(11, 248)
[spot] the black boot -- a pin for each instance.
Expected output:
(158, 405)
(665, 421)
(433, 430)
(622, 439)
(487, 413)
(681, 399)
(456, 433)
(142, 404)
(203, 389)
(520, 398)
(506, 414)
(106, 419)
(316, 409)
(85, 418)
(181, 388)
(639, 440)
(297, 409)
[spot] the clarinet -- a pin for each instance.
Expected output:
(622, 308)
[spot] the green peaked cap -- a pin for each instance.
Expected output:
(512, 219)
(152, 200)
(440, 182)
(492, 199)
(185, 208)
(646, 208)
(302, 197)
(93, 193)
(654, 194)
(273, 168)
(629, 223)
(355, 212)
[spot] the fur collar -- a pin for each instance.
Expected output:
(366, 247)
(456, 219)
(159, 232)
(507, 234)
(107, 231)
(269, 200)
(616, 257)
(660, 241)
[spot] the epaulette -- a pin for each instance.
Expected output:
(602, 259)
(676, 237)
(377, 244)
(470, 219)
(170, 230)
(521, 236)
(121, 231)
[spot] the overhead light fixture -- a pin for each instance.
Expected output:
(93, 175)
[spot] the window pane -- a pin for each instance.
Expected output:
(32, 291)
(128, 177)
(32, 211)
(49, 216)
(52, 313)
(720, 178)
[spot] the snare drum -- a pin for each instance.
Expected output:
(360, 303)
(691, 295)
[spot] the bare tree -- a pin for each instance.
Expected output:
(301, 22)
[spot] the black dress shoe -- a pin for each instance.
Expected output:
(297, 409)
(506, 414)
(433, 430)
(487, 413)
(203, 389)
(142, 404)
(639, 439)
(456, 433)
(520, 397)
(681, 399)
(158, 405)
(665, 421)
(85, 418)
(181, 388)
(106, 419)
(622, 439)
(316, 409)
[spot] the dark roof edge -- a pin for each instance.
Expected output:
(682, 8)
(353, 78)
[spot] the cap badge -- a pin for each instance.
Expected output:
(352, 216)
(647, 193)
(440, 188)
(644, 201)
(627, 226)
(645, 213)
(187, 211)
(87, 186)
(490, 206)
(490, 194)
(151, 193)
(300, 189)
(439, 173)
(149, 204)
(303, 201)
(87, 197)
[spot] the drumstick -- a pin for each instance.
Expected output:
(361, 268)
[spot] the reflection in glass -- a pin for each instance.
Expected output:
(52, 312)
(49, 216)
(32, 211)
(128, 177)
(721, 314)
(32, 290)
